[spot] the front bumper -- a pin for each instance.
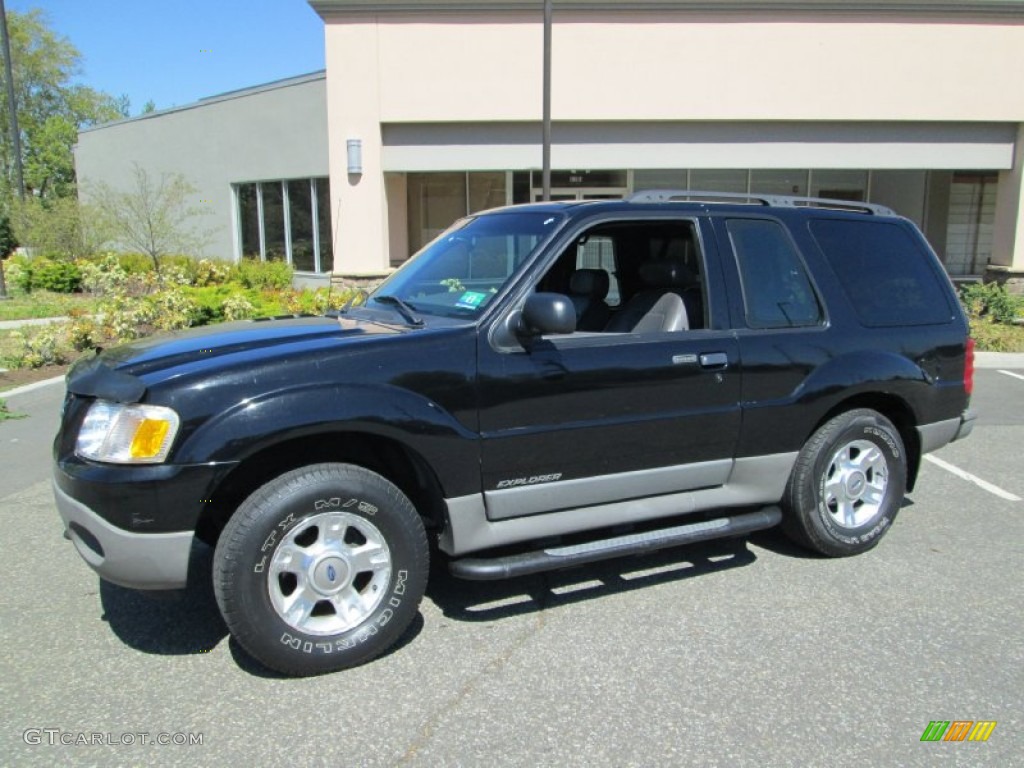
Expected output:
(136, 560)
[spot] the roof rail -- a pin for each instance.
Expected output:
(778, 201)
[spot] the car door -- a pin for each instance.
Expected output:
(581, 419)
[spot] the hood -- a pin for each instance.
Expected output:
(115, 373)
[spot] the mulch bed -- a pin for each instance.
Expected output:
(22, 376)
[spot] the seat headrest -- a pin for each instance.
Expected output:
(589, 282)
(667, 274)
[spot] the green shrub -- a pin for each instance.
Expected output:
(997, 337)
(18, 274)
(252, 273)
(56, 276)
(992, 301)
(135, 263)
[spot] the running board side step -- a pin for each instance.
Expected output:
(494, 568)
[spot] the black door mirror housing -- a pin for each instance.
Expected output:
(545, 313)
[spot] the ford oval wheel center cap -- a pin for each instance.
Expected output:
(329, 574)
(855, 485)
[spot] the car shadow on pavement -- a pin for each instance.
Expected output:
(492, 600)
(188, 621)
(178, 622)
(248, 664)
(774, 540)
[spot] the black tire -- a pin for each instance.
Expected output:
(321, 569)
(847, 485)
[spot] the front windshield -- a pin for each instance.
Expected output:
(459, 272)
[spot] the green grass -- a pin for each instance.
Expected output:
(6, 414)
(26, 306)
(997, 337)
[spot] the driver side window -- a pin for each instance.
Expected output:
(632, 277)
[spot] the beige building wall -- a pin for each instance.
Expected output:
(861, 66)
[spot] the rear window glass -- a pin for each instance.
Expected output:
(889, 278)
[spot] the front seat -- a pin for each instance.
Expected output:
(587, 291)
(655, 307)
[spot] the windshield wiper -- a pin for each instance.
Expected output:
(403, 307)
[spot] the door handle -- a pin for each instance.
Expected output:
(714, 360)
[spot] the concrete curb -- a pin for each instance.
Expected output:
(13, 325)
(30, 387)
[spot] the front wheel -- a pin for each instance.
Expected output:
(321, 569)
(847, 484)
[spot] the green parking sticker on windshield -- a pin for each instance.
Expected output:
(471, 300)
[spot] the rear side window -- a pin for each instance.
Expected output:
(777, 292)
(890, 279)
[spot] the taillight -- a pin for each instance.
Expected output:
(969, 367)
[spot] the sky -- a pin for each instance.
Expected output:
(177, 51)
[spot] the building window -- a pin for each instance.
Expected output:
(972, 213)
(288, 220)
(660, 179)
(249, 220)
(778, 182)
(719, 180)
(436, 200)
(324, 240)
(840, 185)
(300, 206)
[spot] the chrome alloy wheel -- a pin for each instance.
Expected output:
(854, 483)
(329, 573)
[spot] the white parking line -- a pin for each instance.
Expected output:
(1011, 373)
(984, 484)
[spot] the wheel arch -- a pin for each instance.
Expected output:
(896, 410)
(388, 457)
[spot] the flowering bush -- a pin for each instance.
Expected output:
(104, 276)
(238, 307)
(37, 347)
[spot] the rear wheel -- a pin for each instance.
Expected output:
(847, 484)
(321, 569)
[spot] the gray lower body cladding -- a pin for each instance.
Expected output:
(750, 481)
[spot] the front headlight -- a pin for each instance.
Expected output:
(127, 434)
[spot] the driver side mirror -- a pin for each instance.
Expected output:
(545, 313)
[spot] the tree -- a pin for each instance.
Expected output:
(51, 110)
(153, 217)
(58, 226)
(7, 245)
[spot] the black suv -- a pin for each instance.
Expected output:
(535, 380)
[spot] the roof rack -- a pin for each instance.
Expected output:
(779, 201)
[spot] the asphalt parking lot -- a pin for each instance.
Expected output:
(736, 653)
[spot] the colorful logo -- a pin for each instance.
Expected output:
(958, 730)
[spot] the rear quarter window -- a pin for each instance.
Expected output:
(889, 277)
(777, 292)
